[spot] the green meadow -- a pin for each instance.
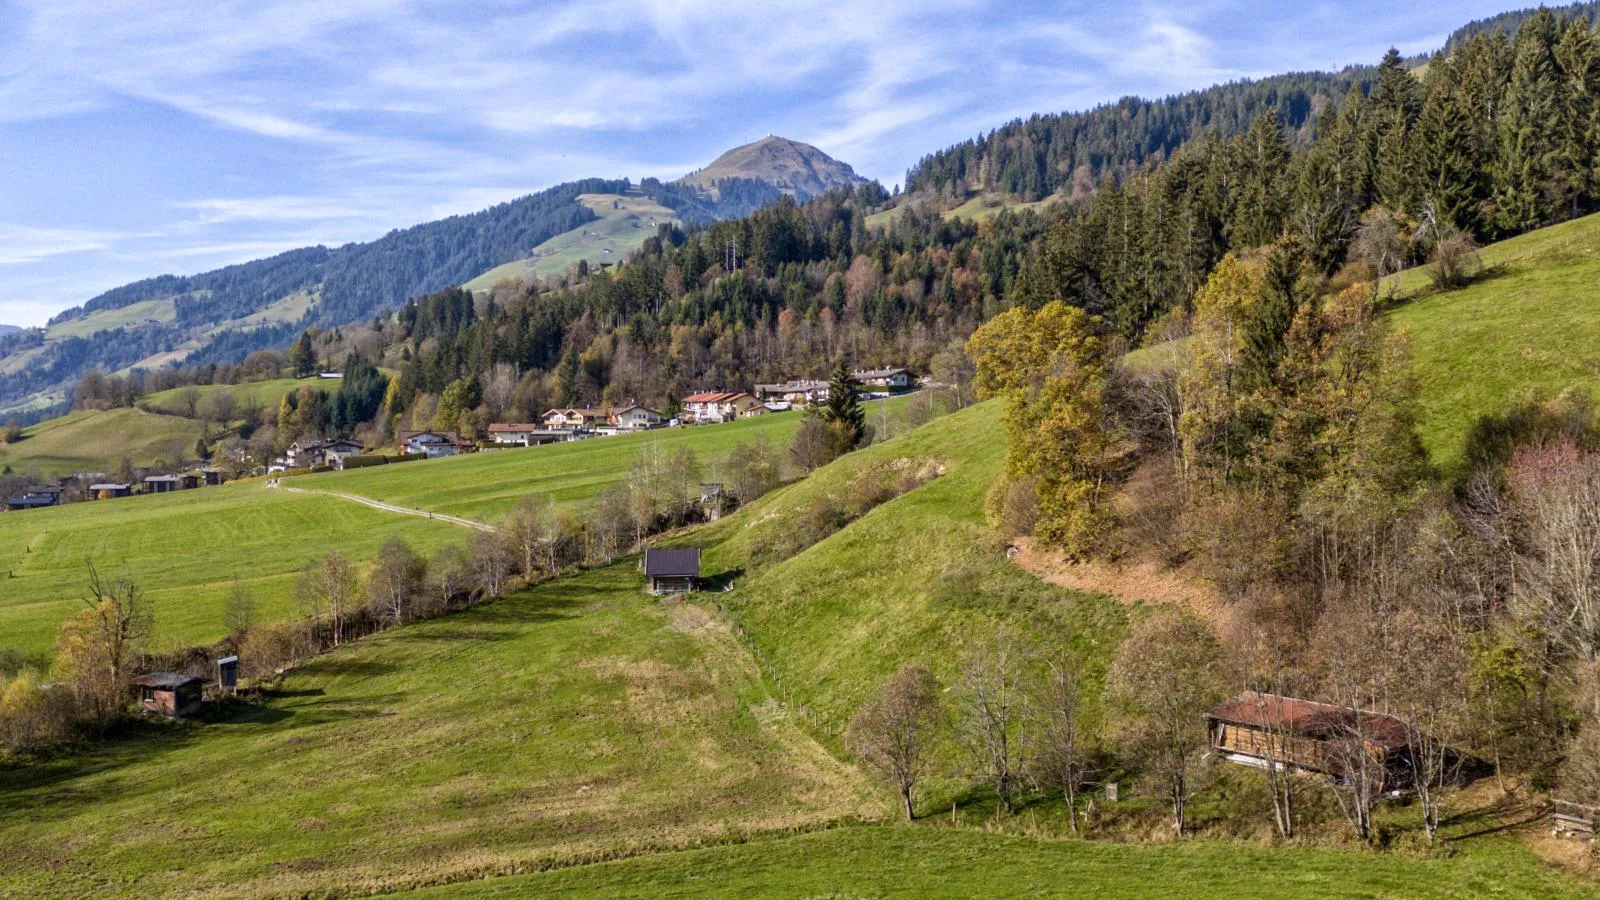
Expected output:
(485, 485)
(257, 393)
(184, 550)
(1525, 328)
(892, 861)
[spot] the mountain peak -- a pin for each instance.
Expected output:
(792, 166)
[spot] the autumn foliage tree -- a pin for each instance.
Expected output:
(1048, 368)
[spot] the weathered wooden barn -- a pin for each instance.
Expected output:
(672, 571)
(169, 694)
(1252, 728)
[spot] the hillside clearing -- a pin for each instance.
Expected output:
(574, 721)
(625, 221)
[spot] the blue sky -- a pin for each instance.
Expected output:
(138, 138)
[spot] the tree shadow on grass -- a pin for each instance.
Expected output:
(93, 774)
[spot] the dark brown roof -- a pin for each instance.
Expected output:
(1309, 718)
(672, 563)
(167, 681)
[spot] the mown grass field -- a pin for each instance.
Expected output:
(184, 549)
(888, 861)
(98, 440)
(624, 223)
(573, 721)
(486, 485)
(1527, 327)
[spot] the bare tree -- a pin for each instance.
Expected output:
(395, 582)
(189, 401)
(527, 530)
(751, 470)
(220, 407)
(952, 368)
(895, 730)
(491, 562)
(1064, 736)
(1555, 495)
(448, 575)
(1166, 674)
(993, 713)
(1430, 698)
(239, 615)
(1356, 675)
(328, 589)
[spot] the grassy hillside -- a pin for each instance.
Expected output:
(1526, 327)
(575, 721)
(142, 313)
(260, 393)
(625, 221)
(486, 485)
(920, 578)
(97, 441)
(948, 862)
(184, 550)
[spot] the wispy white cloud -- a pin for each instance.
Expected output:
(321, 123)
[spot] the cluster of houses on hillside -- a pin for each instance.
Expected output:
(96, 486)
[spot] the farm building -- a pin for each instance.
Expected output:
(211, 476)
(528, 435)
(168, 694)
(672, 571)
(161, 484)
(1305, 735)
(109, 489)
(35, 497)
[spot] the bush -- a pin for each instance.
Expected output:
(32, 717)
(1454, 261)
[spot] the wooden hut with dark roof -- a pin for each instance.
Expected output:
(169, 694)
(672, 571)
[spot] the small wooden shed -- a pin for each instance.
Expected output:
(672, 571)
(168, 694)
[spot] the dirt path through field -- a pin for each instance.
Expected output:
(388, 507)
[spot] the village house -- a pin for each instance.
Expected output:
(574, 419)
(892, 380)
(720, 406)
(1307, 736)
(672, 571)
(105, 490)
(634, 418)
(794, 393)
(169, 694)
(432, 444)
(528, 435)
(309, 453)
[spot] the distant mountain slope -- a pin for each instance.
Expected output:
(793, 167)
(1507, 22)
(622, 223)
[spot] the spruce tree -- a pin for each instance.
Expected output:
(303, 357)
(844, 410)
